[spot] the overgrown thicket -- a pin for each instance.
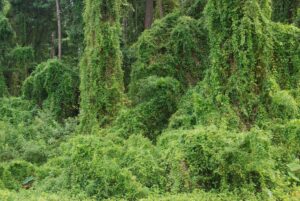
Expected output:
(203, 105)
(6, 36)
(169, 58)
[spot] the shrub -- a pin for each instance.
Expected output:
(285, 138)
(143, 160)
(53, 86)
(35, 152)
(196, 108)
(33, 139)
(10, 143)
(155, 101)
(15, 172)
(284, 105)
(92, 165)
(169, 57)
(17, 110)
(212, 158)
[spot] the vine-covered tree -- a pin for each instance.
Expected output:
(285, 11)
(100, 69)
(6, 38)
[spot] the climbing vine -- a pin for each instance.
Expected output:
(53, 86)
(100, 69)
(251, 58)
(285, 11)
(6, 37)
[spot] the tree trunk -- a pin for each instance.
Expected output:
(52, 53)
(160, 8)
(149, 14)
(59, 27)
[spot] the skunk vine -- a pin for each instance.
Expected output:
(100, 67)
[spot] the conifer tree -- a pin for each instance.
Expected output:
(100, 69)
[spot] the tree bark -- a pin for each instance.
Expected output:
(149, 13)
(52, 53)
(160, 8)
(58, 14)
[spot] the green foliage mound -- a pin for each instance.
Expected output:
(169, 57)
(14, 173)
(284, 105)
(251, 58)
(204, 196)
(153, 104)
(286, 55)
(286, 140)
(105, 167)
(53, 87)
(28, 133)
(195, 108)
(16, 110)
(211, 158)
(175, 46)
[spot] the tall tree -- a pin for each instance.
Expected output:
(240, 54)
(160, 8)
(100, 69)
(58, 14)
(34, 21)
(149, 13)
(6, 37)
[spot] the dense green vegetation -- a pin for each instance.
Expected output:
(203, 104)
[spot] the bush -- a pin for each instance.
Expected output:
(33, 139)
(155, 101)
(211, 158)
(53, 86)
(15, 172)
(169, 57)
(285, 139)
(196, 108)
(105, 167)
(143, 160)
(91, 165)
(284, 105)
(10, 143)
(16, 110)
(35, 152)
